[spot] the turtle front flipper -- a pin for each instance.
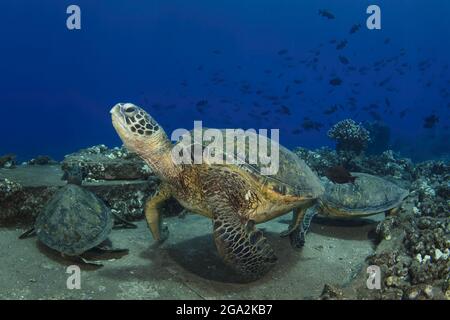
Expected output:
(159, 231)
(242, 246)
(298, 236)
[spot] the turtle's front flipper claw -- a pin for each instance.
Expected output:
(297, 239)
(164, 233)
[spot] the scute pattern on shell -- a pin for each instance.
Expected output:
(73, 221)
(293, 176)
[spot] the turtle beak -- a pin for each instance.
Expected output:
(116, 109)
(118, 118)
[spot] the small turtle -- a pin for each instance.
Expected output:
(234, 196)
(75, 221)
(366, 195)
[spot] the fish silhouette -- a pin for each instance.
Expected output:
(340, 175)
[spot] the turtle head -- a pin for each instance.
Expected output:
(139, 132)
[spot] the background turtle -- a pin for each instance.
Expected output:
(235, 197)
(366, 195)
(75, 221)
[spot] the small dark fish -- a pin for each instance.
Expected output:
(341, 45)
(331, 110)
(388, 103)
(216, 51)
(430, 121)
(309, 124)
(383, 82)
(282, 52)
(202, 103)
(355, 28)
(271, 98)
(326, 13)
(387, 40)
(284, 110)
(343, 60)
(403, 113)
(375, 115)
(336, 81)
(340, 175)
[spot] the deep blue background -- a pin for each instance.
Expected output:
(57, 86)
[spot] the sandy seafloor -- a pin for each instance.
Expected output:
(187, 265)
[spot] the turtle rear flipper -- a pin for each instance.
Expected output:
(243, 247)
(27, 234)
(121, 223)
(297, 218)
(101, 252)
(83, 261)
(109, 250)
(297, 237)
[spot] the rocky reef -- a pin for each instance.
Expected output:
(120, 179)
(101, 163)
(413, 246)
(41, 161)
(8, 161)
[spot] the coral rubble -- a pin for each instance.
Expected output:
(349, 136)
(101, 163)
(413, 252)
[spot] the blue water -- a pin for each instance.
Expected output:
(58, 85)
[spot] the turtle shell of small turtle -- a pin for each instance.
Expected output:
(73, 221)
(292, 176)
(366, 196)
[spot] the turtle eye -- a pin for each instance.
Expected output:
(130, 109)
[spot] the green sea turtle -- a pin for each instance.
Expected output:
(75, 221)
(366, 195)
(234, 196)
